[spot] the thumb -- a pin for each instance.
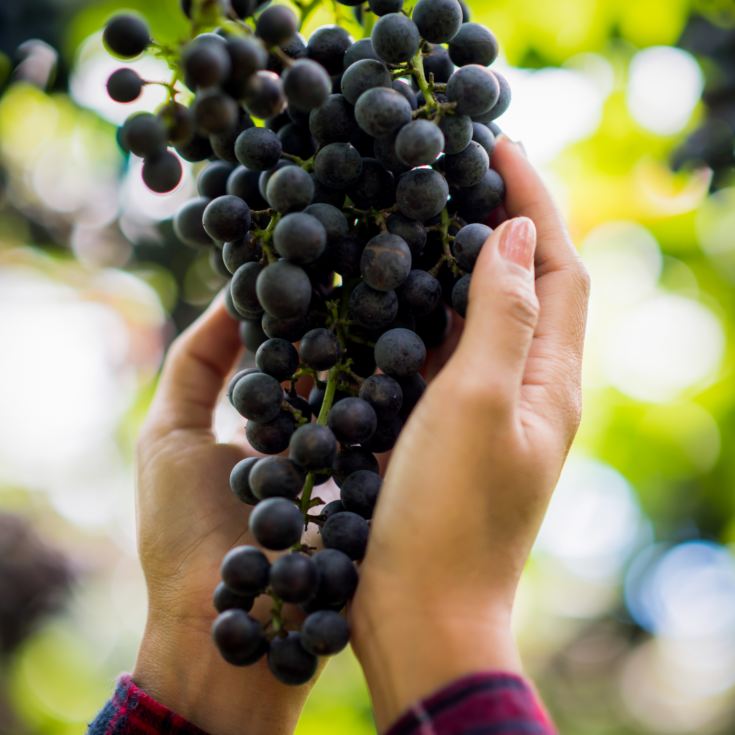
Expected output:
(502, 310)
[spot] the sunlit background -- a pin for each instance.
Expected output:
(627, 612)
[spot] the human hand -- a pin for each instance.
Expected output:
(187, 520)
(471, 476)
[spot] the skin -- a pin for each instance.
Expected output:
(439, 579)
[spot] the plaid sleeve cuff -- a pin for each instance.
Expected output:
(479, 704)
(133, 712)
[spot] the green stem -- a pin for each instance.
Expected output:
(417, 69)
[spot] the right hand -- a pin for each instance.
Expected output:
(472, 474)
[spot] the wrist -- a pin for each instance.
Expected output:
(410, 651)
(179, 667)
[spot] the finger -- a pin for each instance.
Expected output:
(195, 370)
(562, 283)
(502, 314)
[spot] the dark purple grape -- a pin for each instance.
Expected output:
(276, 477)
(421, 194)
(240, 480)
(162, 172)
(245, 570)
(226, 218)
(126, 36)
(290, 189)
(188, 223)
(313, 447)
(421, 292)
(347, 532)
(352, 420)
(359, 492)
(460, 295)
(225, 599)
(474, 88)
(288, 661)
(372, 309)
(385, 262)
(363, 75)
(382, 111)
(400, 352)
(124, 85)
(327, 46)
(337, 577)
(258, 397)
(351, 459)
(419, 143)
(276, 523)
(395, 38)
(306, 84)
(294, 578)
(384, 394)
(473, 44)
(319, 349)
(271, 437)
(325, 633)
(238, 637)
(276, 25)
(258, 148)
(284, 290)
(468, 167)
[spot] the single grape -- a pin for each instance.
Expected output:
(359, 492)
(143, 134)
(438, 64)
(361, 49)
(352, 420)
(413, 232)
(363, 75)
(240, 480)
(332, 219)
(483, 135)
(384, 150)
(325, 633)
(384, 394)
(212, 179)
(277, 358)
(288, 329)
(198, 148)
(263, 93)
(258, 397)
(337, 577)
(289, 189)
(243, 183)
(243, 290)
(284, 290)
(258, 148)
(225, 599)
(335, 506)
(327, 46)
(306, 84)
(400, 352)
(124, 85)
(226, 218)
(287, 659)
(421, 194)
(247, 57)
(162, 172)
(297, 140)
(333, 121)
(413, 387)
(251, 333)
(467, 244)
(375, 188)
(419, 143)
(474, 88)
(457, 131)
(382, 111)
(337, 165)
(276, 477)
(276, 523)
(179, 124)
(468, 167)
(404, 89)
(271, 437)
(460, 295)
(206, 62)
(347, 532)
(351, 459)
(188, 223)
(313, 447)
(421, 292)
(386, 435)
(126, 36)
(214, 112)
(294, 578)
(438, 21)
(383, 7)
(245, 570)
(238, 252)
(395, 38)
(238, 637)
(473, 44)
(319, 349)
(276, 25)
(504, 99)
(385, 262)
(477, 202)
(236, 376)
(371, 308)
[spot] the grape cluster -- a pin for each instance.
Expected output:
(346, 194)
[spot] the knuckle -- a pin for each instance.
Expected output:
(581, 281)
(521, 303)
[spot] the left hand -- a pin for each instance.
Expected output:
(187, 520)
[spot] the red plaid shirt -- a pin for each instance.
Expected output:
(481, 704)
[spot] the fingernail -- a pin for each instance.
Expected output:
(516, 143)
(518, 242)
